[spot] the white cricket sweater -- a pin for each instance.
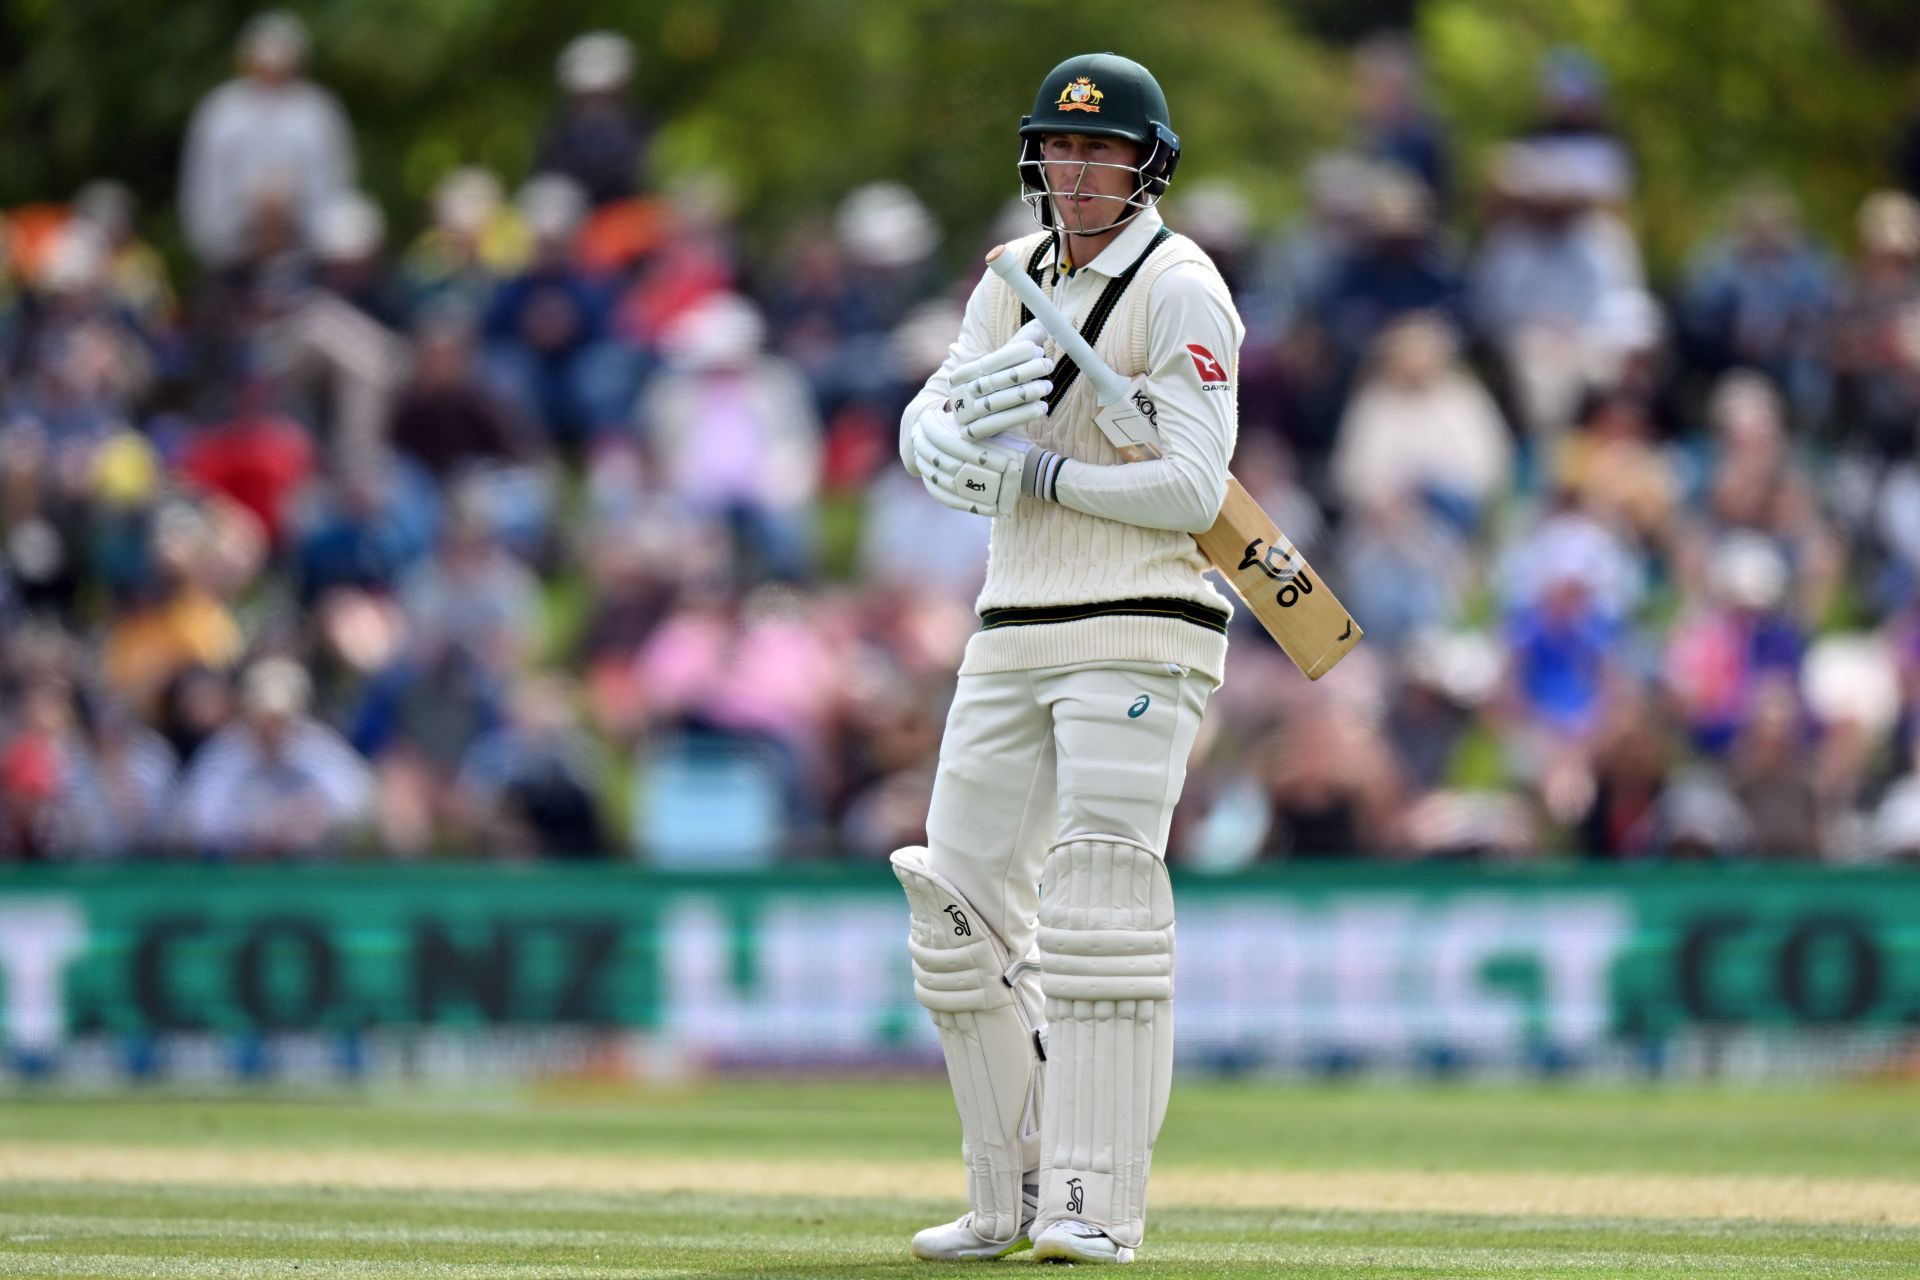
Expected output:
(1118, 532)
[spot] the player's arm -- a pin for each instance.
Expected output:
(1194, 395)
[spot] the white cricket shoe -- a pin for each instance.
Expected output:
(957, 1241)
(1078, 1242)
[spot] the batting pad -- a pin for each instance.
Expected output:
(987, 1011)
(1106, 966)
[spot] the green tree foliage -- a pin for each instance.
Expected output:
(793, 101)
(1711, 95)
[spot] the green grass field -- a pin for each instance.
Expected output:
(830, 1180)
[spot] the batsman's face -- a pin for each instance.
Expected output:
(1090, 177)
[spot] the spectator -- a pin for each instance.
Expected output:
(179, 617)
(337, 342)
(1876, 356)
(266, 139)
(1540, 281)
(364, 532)
(1396, 124)
(136, 274)
(1615, 472)
(1421, 426)
(1330, 787)
(1563, 651)
(476, 239)
(735, 436)
(472, 595)
(1759, 483)
(1728, 652)
(1633, 763)
(1760, 298)
(1770, 777)
(1291, 384)
(1574, 120)
(1396, 268)
(596, 139)
(756, 678)
(528, 788)
(888, 235)
(1403, 568)
(85, 363)
(1447, 678)
(257, 456)
(447, 419)
(547, 345)
(276, 783)
(43, 524)
(81, 787)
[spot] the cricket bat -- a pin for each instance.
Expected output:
(1264, 569)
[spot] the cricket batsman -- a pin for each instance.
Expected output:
(1042, 916)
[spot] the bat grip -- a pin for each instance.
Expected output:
(1108, 386)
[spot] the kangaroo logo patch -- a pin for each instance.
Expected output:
(1139, 707)
(1213, 374)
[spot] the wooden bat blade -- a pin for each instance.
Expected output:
(1298, 609)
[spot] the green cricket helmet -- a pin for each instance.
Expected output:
(1106, 95)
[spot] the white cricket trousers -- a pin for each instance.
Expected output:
(1034, 757)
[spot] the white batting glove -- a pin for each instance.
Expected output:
(1005, 389)
(965, 474)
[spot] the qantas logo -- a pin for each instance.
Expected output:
(1213, 374)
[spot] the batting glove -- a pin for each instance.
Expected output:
(1004, 390)
(965, 474)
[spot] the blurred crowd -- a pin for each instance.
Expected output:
(573, 525)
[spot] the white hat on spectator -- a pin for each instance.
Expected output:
(350, 227)
(920, 342)
(1573, 548)
(467, 198)
(1852, 679)
(1889, 222)
(884, 224)
(1629, 320)
(1397, 202)
(722, 330)
(1338, 183)
(276, 38)
(105, 204)
(553, 205)
(276, 686)
(1493, 823)
(1465, 666)
(1747, 571)
(78, 260)
(1745, 406)
(1217, 213)
(1697, 809)
(596, 62)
